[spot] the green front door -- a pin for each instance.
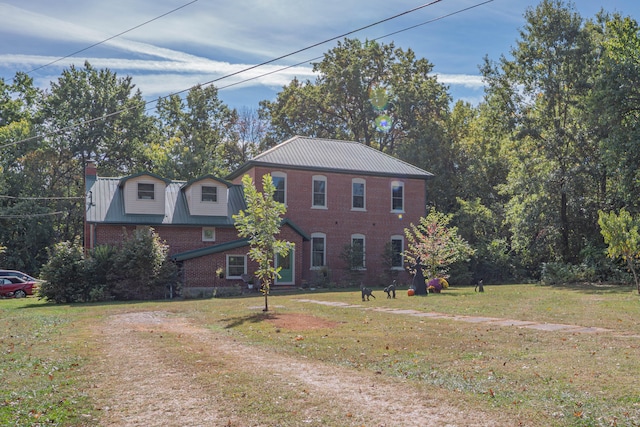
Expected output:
(286, 272)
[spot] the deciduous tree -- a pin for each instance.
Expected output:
(435, 243)
(359, 82)
(620, 232)
(260, 222)
(554, 162)
(198, 135)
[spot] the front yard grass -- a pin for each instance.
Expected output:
(535, 377)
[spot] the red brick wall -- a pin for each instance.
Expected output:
(339, 221)
(201, 271)
(179, 239)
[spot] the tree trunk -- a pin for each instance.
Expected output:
(564, 226)
(630, 262)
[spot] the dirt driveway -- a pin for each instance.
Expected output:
(140, 385)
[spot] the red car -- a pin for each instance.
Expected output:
(11, 286)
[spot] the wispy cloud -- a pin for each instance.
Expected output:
(166, 76)
(160, 65)
(466, 80)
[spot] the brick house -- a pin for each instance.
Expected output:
(338, 194)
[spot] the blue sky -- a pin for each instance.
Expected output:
(209, 39)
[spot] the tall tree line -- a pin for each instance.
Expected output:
(524, 173)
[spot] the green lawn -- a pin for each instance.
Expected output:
(539, 377)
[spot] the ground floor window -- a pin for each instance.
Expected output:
(357, 252)
(236, 266)
(318, 250)
(397, 248)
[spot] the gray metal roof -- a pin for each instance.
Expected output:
(332, 155)
(215, 249)
(105, 204)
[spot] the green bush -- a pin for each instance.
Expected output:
(96, 268)
(554, 273)
(140, 269)
(64, 274)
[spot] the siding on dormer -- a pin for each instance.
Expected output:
(198, 207)
(133, 205)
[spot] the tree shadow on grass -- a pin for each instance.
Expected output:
(49, 304)
(594, 288)
(251, 318)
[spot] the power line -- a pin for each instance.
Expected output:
(106, 116)
(375, 39)
(112, 37)
(246, 80)
(42, 198)
(31, 215)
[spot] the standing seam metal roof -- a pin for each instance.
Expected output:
(105, 204)
(334, 155)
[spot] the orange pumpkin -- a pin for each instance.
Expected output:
(411, 292)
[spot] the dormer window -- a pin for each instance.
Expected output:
(146, 191)
(209, 194)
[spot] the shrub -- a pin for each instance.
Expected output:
(555, 273)
(96, 270)
(138, 270)
(138, 267)
(64, 274)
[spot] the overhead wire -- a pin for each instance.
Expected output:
(112, 37)
(42, 198)
(239, 82)
(105, 116)
(32, 215)
(306, 61)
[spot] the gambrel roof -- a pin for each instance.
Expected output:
(331, 155)
(106, 204)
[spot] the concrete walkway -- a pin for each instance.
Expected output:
(553, 327)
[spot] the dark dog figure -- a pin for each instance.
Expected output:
(366, 292)
(391, 290)
(479, 286)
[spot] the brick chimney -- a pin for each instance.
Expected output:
(90, 170)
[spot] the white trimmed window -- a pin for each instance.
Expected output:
(397, 196)
(318, 250)
(358, 194)
(319, 194)
(146, 191)
(208, 234)
(358, 252)
(236, 266)
(209, 194)
(279, 180)
(397, 249)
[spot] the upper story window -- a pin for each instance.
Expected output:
(319, 191)
(358, 192)
(397, 196)
(209, 194)
(318, 250)
(357, 252)
(397, 248)
(280, 182)
(146, 191)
